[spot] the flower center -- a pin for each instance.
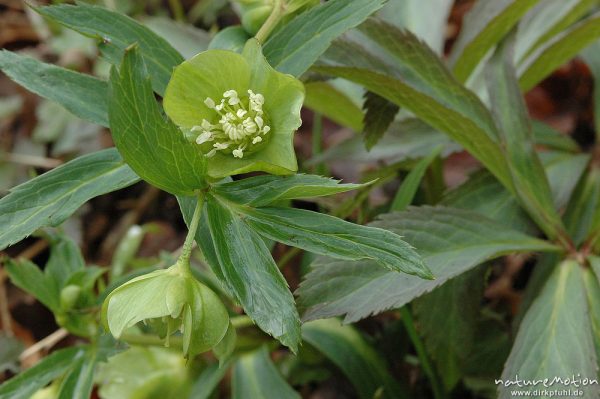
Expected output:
(240, 126)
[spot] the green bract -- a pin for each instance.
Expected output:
(239, 111)
(170, 299)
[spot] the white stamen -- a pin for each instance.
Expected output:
(204, 137)
(238, 153)
(210, 103)
(257, 139)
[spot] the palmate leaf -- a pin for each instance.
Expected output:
(49, 199)
(451, 241)
(83, 95)
(555, 337)
(243, 263)
(297, 45)
(116, 32)
(151, 144)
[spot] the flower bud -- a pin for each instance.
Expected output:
(69, 296)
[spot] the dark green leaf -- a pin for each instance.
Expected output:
(484, 26)
(65, 259)
(448, 318)
(451, 242)
(231, 38)
(591, 56)
(51, 198)
(296, 46)
(549, 137)
(406, 193)
(116, 32)
(255, 377)
(582, 216)
(379, 115)
(185, 38)
(592, 288)
(555, 337)
(83, 95)
(266, 189)
(24, 385)
(510, 113)
(564, 171)
(152, 145)
(418, 81)
(349, 351)
(483, 194)
(558, 51)
(247, 269)
(325, 99)
(327, 235)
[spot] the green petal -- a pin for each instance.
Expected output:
(208, 74)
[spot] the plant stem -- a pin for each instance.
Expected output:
(177, 10)
(317, 143)
(241, 321)
(271, 22)
(186, 250)
(436, 386)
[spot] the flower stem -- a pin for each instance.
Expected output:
(271, 22)
(186, 251)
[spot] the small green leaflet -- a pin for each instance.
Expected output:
(151, 144)
(267, 189)
(49, 199)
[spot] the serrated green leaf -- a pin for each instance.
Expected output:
(582, 216)
(379, 115)
(83, 95)
(418, 81)
(510, 113)
(348, 350)
(483, 27)
(255, 377)
(558, 51)
(49, 199)
(264, 190)
(547, 19)
(115, 33)
(407, 190)
(325, 99)
(451, 241)
(549, 137)
(564, 170)
(65, 259)
(555, 337)
(24, 385)
(327, 235)
(151, 144)
(448, 320)
(244, 264)
(296, 46)
(591, 56)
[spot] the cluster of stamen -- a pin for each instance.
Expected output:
(240, 127)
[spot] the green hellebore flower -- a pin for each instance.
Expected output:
(174, 299)
(238, 111)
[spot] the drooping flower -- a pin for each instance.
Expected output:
(238, 110)
(170, 300)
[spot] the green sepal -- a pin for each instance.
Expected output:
(212, 73)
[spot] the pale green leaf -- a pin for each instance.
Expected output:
(83, 95)
(348, 350)
(555, 337)
(483, 27)
(28, 276)
(451, 241)
(151, 144)
(255, 377)
(51, 198)
(296, 46)
(116, 32)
